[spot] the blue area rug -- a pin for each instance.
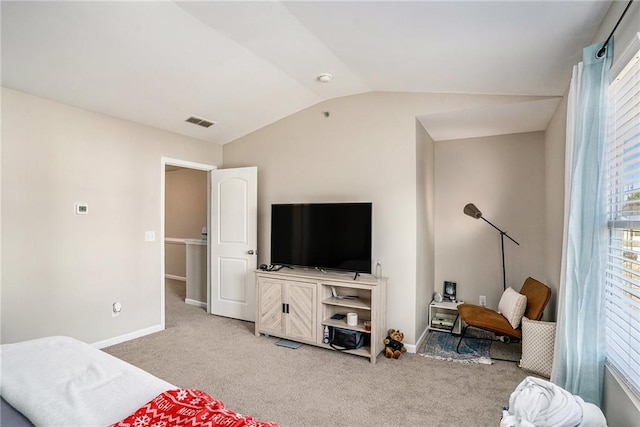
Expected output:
(442, 346)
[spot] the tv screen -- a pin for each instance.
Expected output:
(334, 236)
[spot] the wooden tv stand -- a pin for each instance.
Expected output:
(297, 304)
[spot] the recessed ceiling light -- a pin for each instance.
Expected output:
(324, 78)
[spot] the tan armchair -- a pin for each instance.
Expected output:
(538, 295)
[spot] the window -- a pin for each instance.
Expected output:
(622, 285)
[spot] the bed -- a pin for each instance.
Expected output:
(9, 416)
(58, 381)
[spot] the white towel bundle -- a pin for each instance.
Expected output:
(539, 403)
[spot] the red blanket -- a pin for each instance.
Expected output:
(187, 407)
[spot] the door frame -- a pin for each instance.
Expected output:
(164, 162)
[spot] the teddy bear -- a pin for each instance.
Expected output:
(393, 344)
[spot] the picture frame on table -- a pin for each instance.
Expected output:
(449, 293)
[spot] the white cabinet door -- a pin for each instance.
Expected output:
(301, 310)
(270, 309)
(233, 242)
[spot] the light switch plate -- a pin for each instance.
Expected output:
(149, 236)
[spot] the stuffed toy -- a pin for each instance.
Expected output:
(393, 344)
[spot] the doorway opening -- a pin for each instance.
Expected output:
(183, 229)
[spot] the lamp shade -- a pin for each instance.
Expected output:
(471, 210)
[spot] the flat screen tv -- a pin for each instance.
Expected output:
(335, 236)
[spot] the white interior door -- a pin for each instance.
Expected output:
(233, 242)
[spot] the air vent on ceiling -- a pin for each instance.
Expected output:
(200, 122)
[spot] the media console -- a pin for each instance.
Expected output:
(297, 304)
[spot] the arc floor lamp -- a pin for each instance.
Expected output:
(471, 210)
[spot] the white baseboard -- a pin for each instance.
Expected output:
(420, 341)
(127, 337)
(195, 302)
(174, 277)
(413, 348)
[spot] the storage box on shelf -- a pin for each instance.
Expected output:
(297, 304)
(443, 317)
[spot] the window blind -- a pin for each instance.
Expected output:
(622, 281)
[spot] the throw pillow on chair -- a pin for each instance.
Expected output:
(512, 306)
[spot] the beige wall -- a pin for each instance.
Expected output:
(425, 225)
(627, 29)
(185, 203)
(620, 405)
(62, 272)
(175, 261)
(364, 151)
(504, 177)
(554, 149)
(185, 213)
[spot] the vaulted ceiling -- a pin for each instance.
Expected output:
(247, 64)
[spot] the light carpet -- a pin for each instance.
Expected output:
(312, 386)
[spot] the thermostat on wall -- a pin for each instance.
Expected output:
(82, 209)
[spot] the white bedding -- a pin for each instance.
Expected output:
(60, 381)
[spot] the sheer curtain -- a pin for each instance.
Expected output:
(579, 348)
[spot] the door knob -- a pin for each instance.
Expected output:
(251, 252)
